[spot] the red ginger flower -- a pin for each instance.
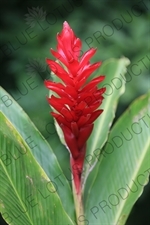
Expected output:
(78, 100)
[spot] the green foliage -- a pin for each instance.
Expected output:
(115, 86)
(123, 168)
(28, 137)
(26, 190)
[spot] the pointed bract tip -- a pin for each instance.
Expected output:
(66, 25)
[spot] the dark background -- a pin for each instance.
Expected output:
(28, 31)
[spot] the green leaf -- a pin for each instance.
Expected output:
(114, 70)
(27, 195)
(40, 149)
(124, 168)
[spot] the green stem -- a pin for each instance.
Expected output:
(78, 204)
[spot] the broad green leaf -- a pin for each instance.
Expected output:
(39, 147)
(124, 168)
(114, 70)
(27, 195)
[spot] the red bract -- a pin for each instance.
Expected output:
(79, 100)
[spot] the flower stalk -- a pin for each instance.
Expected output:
(78, 203)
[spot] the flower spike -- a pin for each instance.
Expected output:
(77, 101)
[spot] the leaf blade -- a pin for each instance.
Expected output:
(120, 168)
(40, 148)
(113, 69)
(22, 181)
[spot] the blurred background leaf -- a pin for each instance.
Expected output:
(28, 30)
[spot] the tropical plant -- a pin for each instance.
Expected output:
(109, 164)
